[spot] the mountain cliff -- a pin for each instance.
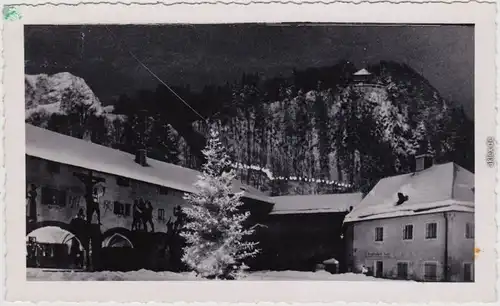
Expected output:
(354, 130)
(64, 103)
(318, 125)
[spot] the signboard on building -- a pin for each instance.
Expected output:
(377, 254)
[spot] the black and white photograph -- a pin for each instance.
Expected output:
(286, 151)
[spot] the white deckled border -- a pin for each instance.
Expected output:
(226, 2)
(18, 289)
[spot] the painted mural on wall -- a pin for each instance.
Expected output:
(31, 195)
(44, 203)
(97, 208)
(142, 214)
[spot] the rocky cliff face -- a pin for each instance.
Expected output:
(65, 103)
(357, 131)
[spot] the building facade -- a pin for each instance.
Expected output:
(62, 172)
(60, 195)
(417, 226)
(417, 247)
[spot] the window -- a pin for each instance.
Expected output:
(122, 181)
(161, 214)
(127, 209)
(107, 205)
(163, 190)
(468, 272)
(430, 271)
(74, 200)
(53, 167)
(469, 230)
(379, 234)
(52, 196)
(408, 232)
(431, 231)
(402, 270)
(119, 208)
(177, 193)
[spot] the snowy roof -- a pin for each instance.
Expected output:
(311, 204)
(64, 149)
(362, 72)
(445, 187)
(331, 261)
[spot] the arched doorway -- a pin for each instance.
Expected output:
(118, 250)
(117, 240)
(54, 247)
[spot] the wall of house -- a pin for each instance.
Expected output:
(148, 248)
(461, 248)
(60, 177)
(415, 252)
(394, 249)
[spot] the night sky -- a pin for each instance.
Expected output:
(214, 54)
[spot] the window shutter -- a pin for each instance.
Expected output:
(116, 208)
(62, 198)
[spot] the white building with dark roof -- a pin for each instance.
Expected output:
(416, 226)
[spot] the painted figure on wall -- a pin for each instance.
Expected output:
(31, 196)
(79, 227)
(142, 215)
(92, 195)
(136, 215)
(94, 208)
(33, 253)
(93, 190)
(147, 217)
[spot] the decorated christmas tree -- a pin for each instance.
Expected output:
(216, 238)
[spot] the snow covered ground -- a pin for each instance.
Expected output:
(146, 275)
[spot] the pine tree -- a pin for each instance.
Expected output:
(418, 139)
(216, 240)
(171, 145)
(321, 114)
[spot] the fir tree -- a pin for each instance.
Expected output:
(418, 139)
(171, 145)
(216, 240)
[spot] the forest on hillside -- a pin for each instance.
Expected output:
(317, 123)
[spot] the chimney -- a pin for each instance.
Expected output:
(141, 157)
(423, 161)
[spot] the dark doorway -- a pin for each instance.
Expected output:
(379, 268)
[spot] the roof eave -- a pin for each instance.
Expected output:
(456, 208)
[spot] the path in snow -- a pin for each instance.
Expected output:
(146, 275)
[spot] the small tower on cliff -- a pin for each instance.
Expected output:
(365, 84)
(362, 76)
